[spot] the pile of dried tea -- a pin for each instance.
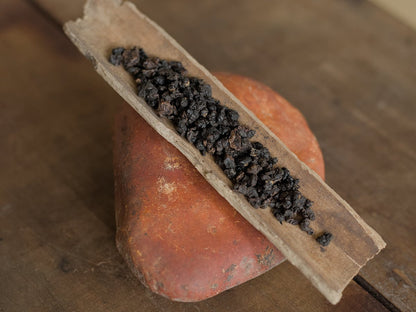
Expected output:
(214, 129)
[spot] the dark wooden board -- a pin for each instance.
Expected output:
(353, 81)
(56, 204)
(110, 23)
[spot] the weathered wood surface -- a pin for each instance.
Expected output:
(345, 64)
(404, 10)
(56, 203)
(111, 23)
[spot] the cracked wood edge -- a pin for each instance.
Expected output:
(110, 23)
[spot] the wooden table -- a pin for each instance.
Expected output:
(349, 67)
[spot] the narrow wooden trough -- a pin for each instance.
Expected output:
(111, 23)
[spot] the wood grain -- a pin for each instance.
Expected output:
(344, 64)
(57, 250)
(403, 9)
(347, 66)
(111, 23)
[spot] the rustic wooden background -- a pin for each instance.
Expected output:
(348, 66)
(405, 10)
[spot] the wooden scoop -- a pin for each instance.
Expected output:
(110, 23)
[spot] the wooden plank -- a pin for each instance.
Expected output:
(111, 23)
(345, 65)
(56, 203)
(404, 10)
